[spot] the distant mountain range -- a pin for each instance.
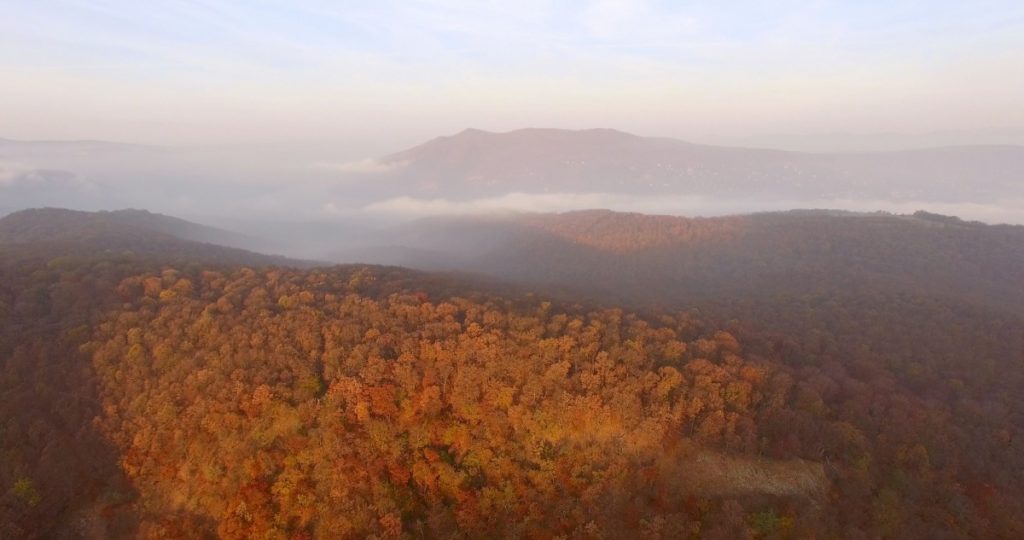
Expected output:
(477, 163)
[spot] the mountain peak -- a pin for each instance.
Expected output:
(544, 131)
(478, 163)
(470, 132)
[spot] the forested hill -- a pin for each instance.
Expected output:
(203, 397)
(672, 261)
(138, 232)
(58, 224)
(932, 297)
(358, 401)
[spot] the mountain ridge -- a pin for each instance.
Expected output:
(141, 232)
(612, 254)
(477, 163)
(626, 135)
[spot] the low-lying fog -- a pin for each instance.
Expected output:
(307, 200)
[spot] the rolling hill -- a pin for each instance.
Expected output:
(137, 232)
(620, 255)
(933, 298)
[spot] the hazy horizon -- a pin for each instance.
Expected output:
(396, 74)
(284, 111)
(808, 142)
(248, 188)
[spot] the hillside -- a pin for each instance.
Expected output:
(619, 256)
(57, 224)
(926, 303)
(207, 398)
(353, 401)
(124, 231)
(819, 284)
(360, 401)
(476, 163)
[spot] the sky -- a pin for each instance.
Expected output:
(209, 72)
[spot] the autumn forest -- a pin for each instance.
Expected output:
(158, 387)
(531, 270)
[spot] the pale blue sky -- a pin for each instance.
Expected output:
(206, 71)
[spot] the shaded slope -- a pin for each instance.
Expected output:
(664, 260)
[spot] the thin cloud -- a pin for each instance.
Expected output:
(1005, 211)
(11, 172)
(364, 166)
(533, 202)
